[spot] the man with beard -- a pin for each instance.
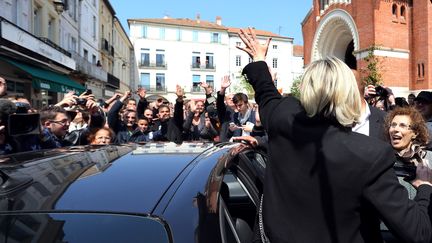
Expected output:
(171, 127)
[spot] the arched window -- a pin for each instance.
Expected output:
(402, 12)
(394, 10)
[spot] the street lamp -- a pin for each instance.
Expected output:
(59, 6)
(124, 65)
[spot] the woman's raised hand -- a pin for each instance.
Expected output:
(254, 48)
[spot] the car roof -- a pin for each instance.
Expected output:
(127, 179)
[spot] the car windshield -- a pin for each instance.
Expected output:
(81, 227)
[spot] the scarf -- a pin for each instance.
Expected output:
(412, 154)
(245, 118)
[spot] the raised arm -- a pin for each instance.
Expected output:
(178, 108)
(220, 104)
(258, 75)
(142, 102)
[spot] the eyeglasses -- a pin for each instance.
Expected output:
(403, 126)
(62, 122)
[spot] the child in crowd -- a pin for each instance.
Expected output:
(142, 133)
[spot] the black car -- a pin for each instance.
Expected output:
(157, 192)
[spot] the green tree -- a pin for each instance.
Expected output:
(295, 88)
(373, 68)
(243, 86)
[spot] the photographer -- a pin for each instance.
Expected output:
(92, 112)
(380, 97)
(19, 129)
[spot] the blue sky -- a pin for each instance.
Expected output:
(282, 17)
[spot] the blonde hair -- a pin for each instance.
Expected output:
(329, 88)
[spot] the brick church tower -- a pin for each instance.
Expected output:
(402, 29)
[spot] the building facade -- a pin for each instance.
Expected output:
(48, 48)
(190, 51)
(31, 58)
(399, 28)
(87, 53)
(123, 65)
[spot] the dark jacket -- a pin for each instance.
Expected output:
(236, 121)
(225, 116)
(199, 132)
(118, 126)
(137, 136)
(325, 183)
(171, 129)
(376, 123)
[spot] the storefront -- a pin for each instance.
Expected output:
(35, 67)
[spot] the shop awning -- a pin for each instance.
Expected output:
(45, 79)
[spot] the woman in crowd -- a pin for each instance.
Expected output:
(197, 125)
(102, 136)
(408, 135)
(325, 183)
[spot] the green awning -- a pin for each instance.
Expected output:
(45, 79)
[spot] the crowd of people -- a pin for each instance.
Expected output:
(130, 118)
(336, 181)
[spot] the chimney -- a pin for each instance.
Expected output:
(198, 18)
(218, 20)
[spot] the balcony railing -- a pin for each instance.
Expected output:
(154, 89)
(89, 69)
(55, 46)
(153, 65)
(196, 89)
(204, 67)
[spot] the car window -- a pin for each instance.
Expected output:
(239, 193)
(81, 227)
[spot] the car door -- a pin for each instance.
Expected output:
(240, 195)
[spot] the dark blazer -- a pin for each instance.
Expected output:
(376, 123)
(325, 183)
(225, 116)
(171, 129)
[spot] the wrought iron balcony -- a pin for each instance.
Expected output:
(196, 89)
(153, 65)
(154, 89)
(204, 67)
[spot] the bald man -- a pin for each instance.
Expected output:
(372, 119)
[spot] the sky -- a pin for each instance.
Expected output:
(281, 17)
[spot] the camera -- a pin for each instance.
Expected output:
(23, 124)
(22, 108)
(88, 92)
(81, 101)
(381, 92)
(405, 170)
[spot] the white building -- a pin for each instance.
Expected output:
(87, 54)
(186, 52)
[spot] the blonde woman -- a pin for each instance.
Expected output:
(325, 183)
